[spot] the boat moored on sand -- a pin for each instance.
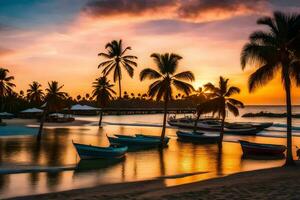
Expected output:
(214, 125)
(251, 148)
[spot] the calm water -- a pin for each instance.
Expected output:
(56, 150)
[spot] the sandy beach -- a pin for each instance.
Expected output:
(273, 183)
(35, 123)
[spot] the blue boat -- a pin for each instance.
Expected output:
(94, 152)
(197, 137)
(137, 140)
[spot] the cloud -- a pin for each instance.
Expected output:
(128, 7)
(210, 10)
(5, 52)
(187, 10)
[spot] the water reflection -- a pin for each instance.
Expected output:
(56, 149)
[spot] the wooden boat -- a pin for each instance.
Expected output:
(197, 137)
(95, 152)
(213, 125)
(239, 125)
(251, 148)
(137, 140)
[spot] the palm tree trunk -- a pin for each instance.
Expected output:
(39, 136)
(289, 153)
(2, 104)
(163, 133)
(196, 121)
(100, 120)
(120, 90)
(221, 133)
(119, 77)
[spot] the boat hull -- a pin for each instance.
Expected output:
(233, 131)
(94, 152)
(197, 138)
(139, 140)
(250, 148)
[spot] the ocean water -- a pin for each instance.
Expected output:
(56, 151)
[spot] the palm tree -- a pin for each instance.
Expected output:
(103, 93)
(35, 94)
(165, 80)
(54, 100)
(78, 98)
(220, 102)
(116, 58)
(272, 50)
(6, 86)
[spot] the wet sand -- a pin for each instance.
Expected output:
(273, 183)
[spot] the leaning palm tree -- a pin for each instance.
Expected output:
(6, 85)
(116, 59)
(220, 102)
(272, 50)
(54, 100)
(165, 80)
(35, 94)
(103, 93)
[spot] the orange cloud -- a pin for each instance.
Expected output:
(186, 10)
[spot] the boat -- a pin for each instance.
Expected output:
(197, 137)
(137, 140)
(251, 148)
(94, 152)
(237, 125)
(214, 125)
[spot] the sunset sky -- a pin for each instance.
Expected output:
(46, 40)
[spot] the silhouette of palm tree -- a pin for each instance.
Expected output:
(116, 59)
(220, 102)
(54, 100)
(103, 93)
(35, 94)
(6, 86)
(272, 50)
(165, 79)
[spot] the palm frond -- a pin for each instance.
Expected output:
(235, 102)
(105, 63)
(261, 76)
(128, 68)
(268, 21)
(186, 75)
(150, 74)
(130, 62)
(184, 87)
(105, 55)
(209, 87)
(262, 38)
(258, 54)
(232, 90)
(124, 51)
(234, 110)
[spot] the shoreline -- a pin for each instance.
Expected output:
(272, 183)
